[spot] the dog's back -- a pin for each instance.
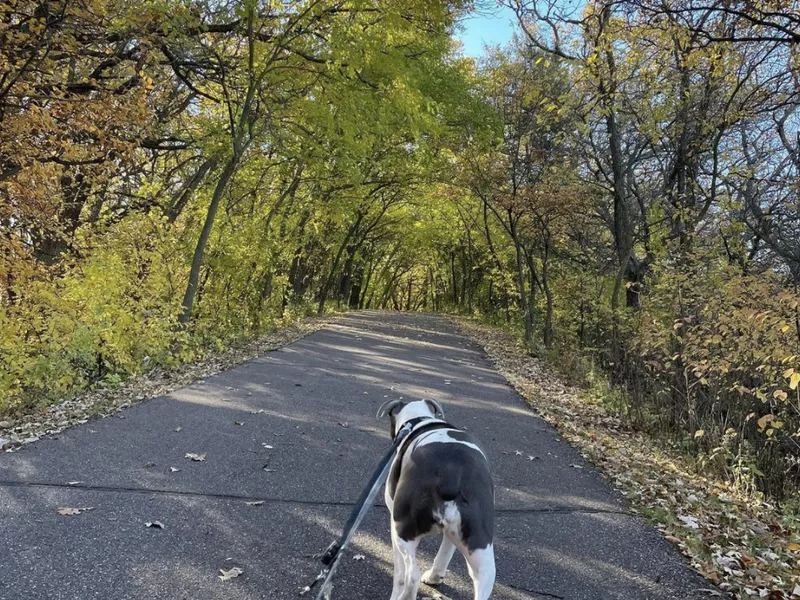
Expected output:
(444, 485)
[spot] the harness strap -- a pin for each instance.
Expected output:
(416, 432)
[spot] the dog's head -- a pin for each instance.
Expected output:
(400, 412)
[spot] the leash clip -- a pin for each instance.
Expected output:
(403, 433)
(330, 553)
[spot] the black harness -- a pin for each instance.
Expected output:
(410, 431)
(416, 432)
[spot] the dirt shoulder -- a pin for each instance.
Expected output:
(743, 545)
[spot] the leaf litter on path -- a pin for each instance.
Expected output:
(69, 511)
(231, 573)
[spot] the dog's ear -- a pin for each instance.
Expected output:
(436, 408)
(387, 408)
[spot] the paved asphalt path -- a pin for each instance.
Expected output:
(296, 428)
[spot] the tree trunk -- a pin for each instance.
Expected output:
(323, 295)
(453, 277)
(365, 285)
(523, 299)
(548, 294)
(182, 198)
(202, 242)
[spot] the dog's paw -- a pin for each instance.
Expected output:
(431, 578)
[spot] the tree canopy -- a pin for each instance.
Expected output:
(619, 184)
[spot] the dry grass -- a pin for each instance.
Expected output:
(742, 544)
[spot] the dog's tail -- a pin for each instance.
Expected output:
(448, 487)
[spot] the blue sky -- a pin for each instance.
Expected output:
(488, 26)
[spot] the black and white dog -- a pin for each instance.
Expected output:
(439, 482)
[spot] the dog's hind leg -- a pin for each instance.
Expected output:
(482, 571)
(435, 575)
(399, 568)
(408, 552)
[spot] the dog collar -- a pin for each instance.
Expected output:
(410, 425)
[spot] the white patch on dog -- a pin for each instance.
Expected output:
(440, 436)
(413, 410)
(407, 584)
(436, 574)
(449, 520)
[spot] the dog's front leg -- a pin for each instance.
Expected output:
(436, 574)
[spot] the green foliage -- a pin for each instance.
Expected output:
(178, 175)
(255, 161)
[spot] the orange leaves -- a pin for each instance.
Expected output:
(68, 127)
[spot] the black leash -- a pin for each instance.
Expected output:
(330, 558)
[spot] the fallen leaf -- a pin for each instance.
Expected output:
(195, 457)
(764, 421)
(67, 511)
(230, 573)
(794, 380)
(690, 522)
